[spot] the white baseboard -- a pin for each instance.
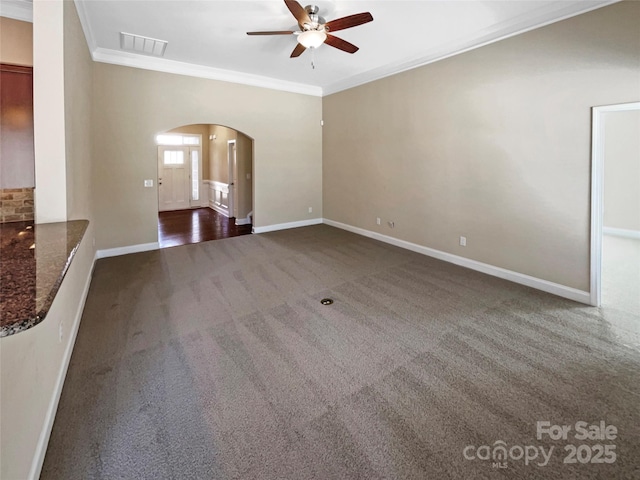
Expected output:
(621, 232)
(115, 252)
(45, 434)
(285, 226)
(533, 282)
(246, 221)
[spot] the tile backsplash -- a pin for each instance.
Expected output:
(16, 204)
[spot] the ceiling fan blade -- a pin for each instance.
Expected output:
(348, 22)
(341, 44)
(298, 11)
(298, 50)
(275, 32)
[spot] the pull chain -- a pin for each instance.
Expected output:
(313, 58)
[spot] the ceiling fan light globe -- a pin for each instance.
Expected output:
(312, 38)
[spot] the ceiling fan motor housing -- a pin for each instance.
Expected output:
(317, 20)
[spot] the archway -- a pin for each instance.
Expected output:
(205, 184)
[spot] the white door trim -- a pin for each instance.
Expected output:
(597, 194)
(231, 158)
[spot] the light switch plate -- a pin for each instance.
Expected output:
(148, 183)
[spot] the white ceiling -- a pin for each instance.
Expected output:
(208, 38)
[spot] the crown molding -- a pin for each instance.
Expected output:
(17, 10)
(543, 16)
(86, 25)
(129, 59)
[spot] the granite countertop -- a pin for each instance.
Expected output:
(33, 262)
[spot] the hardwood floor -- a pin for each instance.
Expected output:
(182, 227)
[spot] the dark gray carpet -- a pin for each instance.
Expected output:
(217, 361)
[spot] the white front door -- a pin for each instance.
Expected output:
(173, 178)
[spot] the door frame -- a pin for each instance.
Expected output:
(232, 153)
(597, 193)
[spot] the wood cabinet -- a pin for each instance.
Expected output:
(17, 162)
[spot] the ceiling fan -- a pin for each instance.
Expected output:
(314, 30)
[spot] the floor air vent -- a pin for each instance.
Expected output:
(144, 45)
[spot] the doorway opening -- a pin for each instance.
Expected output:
(205, 184)
(615, 208)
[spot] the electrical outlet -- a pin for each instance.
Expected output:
(378, 221)
(463, 241)
(60, 331)
(310, 209)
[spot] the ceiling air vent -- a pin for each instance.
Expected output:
(144, 45)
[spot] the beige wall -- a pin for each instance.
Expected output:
(132, 105)
(219, 163)
(203, 130)
(16, 42)
(493, 144)
(34, 362)
(78, 76)
(622, 170)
